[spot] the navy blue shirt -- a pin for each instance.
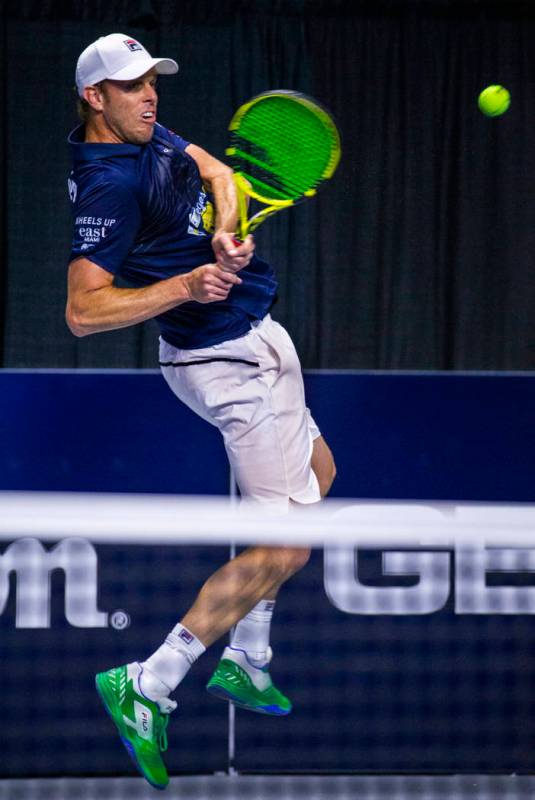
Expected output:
(142, 213)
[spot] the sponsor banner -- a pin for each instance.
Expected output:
(416, 658)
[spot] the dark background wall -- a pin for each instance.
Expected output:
(420, 252)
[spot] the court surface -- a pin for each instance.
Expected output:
(279, 787)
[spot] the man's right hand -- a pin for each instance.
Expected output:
(209, 283)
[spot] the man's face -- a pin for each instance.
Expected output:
(129, 109)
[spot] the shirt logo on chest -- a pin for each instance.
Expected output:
(201, 216)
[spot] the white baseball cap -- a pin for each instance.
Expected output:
(119, 57)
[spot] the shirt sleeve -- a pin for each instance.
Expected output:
(178, 141)
(106, 219)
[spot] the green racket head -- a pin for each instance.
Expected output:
(283, 145)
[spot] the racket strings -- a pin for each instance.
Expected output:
(283, 147)
(262, 175)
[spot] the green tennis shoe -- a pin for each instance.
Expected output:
(237, 680)
(141, 722)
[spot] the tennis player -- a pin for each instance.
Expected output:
(161, 213)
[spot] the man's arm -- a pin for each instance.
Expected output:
(217, 177)
(94, 304)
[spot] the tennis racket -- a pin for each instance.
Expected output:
(283, 145)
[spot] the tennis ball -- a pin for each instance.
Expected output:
(494, 100)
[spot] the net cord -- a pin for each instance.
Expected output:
(166, 519)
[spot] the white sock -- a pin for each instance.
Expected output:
(168, 666)
(252, 632)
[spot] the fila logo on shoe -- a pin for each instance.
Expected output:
(143, 724)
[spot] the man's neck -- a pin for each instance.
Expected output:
(97, 131)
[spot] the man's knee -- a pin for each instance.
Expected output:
(296, 558)
(284, 562)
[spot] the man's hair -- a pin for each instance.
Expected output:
(82, 109)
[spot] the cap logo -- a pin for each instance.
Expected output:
(132, 44)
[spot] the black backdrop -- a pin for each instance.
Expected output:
(420, 253)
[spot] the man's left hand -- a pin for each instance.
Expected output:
(229, 254)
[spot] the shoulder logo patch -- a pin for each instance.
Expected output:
(73, 189)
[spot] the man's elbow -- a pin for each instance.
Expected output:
(223, 174)
(75, 322)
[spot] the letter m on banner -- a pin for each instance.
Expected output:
(33, 567)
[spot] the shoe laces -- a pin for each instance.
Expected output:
(160, 729)
(161, 732)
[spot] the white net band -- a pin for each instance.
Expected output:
(165, 519)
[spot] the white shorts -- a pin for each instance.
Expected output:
(251, 388)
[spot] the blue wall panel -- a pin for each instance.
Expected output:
(435, 436)
(429, 436)
(104, 432)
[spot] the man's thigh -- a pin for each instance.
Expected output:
(252, 389)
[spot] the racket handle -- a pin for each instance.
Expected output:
(237, 241)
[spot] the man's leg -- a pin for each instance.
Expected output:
(324, 469)
(226, 597)
(242, 675)
(136, 695)
(249, 647)
(238, 586)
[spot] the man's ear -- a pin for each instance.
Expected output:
(93, 96)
